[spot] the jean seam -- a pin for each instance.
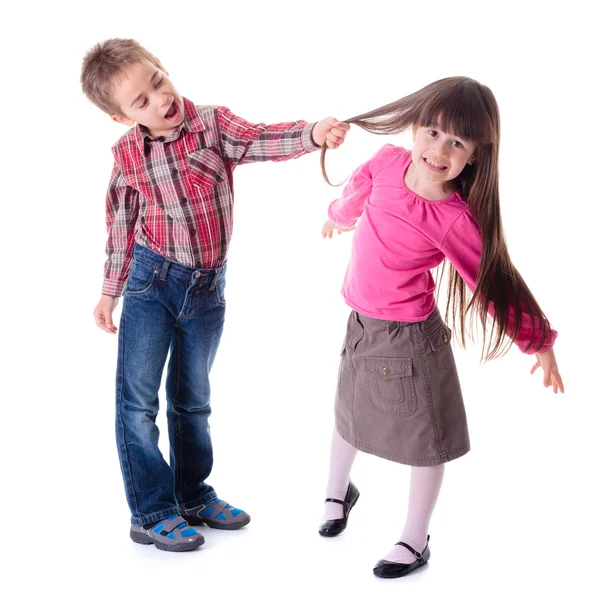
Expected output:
(120, 402)
(175, 415)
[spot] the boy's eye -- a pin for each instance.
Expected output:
(143, 104)
(158, 83)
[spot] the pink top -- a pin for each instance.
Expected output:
(400, 237)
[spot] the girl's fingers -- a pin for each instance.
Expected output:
(559, 382)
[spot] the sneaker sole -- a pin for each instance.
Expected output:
(143, 538)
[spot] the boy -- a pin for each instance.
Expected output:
(169, 219)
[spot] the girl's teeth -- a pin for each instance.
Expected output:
(434, 164)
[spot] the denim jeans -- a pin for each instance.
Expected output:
(167, 307)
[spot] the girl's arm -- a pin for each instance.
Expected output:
(346, 210)
(462, 245)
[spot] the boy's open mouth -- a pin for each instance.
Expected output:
(172, 112)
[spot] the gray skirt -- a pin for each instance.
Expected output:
(398, 393)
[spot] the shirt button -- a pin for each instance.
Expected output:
(174, 172)
(161, 138)
(184, 201)
(445, 339)
(192, 232)
(197, 275)
(385, 370)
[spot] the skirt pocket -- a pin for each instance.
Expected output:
(439, 340)
(391, 385)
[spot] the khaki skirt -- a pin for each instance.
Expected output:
(398, 393)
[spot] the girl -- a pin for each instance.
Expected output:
(398, 393)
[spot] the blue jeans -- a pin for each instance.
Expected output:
(167, 306)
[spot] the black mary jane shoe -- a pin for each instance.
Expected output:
(389, 569)
(334, 527)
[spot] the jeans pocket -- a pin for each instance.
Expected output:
(391, 385)
(439, 341)
(220, 290)
(142, 278)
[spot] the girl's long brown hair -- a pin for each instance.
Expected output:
(463, 107)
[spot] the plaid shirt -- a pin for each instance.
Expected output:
(174, 194)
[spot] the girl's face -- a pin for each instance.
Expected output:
(440, 157)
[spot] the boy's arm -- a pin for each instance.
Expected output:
(122, 209)
(245, 142)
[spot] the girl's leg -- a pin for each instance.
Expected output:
(425, 485)
(342, 457)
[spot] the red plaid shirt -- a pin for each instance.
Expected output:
(174, 194)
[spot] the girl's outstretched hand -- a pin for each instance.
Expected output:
(329, 226)
(547, 361)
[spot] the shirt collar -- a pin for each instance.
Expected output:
(191, 122)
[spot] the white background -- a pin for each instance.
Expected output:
(516, 517)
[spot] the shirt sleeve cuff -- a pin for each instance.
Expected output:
(337, 220)
(113, 288)
(549, 343)
(307, 139)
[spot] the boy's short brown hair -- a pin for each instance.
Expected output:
(103, 63)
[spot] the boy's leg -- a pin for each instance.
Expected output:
(193, 348)
(145, 332)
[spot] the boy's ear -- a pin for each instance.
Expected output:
(122, 120)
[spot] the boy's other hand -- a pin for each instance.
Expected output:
(329, 227)
(330, 131)
(103, 313)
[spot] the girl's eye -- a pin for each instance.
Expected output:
(457, 144)
(158, 83)
(432, 133)
(143, 104)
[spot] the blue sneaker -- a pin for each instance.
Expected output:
(172, 534)
(217, 514)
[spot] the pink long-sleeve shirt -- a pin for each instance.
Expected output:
(401, 236)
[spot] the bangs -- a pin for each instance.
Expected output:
(460, 109)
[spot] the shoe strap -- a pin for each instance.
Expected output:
(417, 554)
(342, 502)
(171, 524)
